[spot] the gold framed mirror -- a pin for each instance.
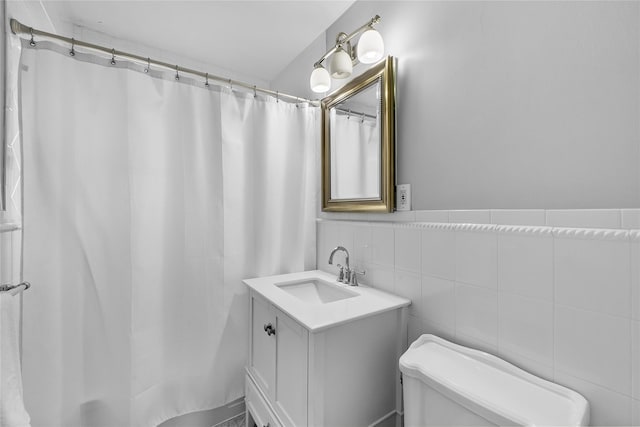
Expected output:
(358, 143)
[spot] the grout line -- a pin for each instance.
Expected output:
(497, 266)
(631, 324)
(620, 219)
(609, 389)
(553, 302)
(586, 310)
(455, 283)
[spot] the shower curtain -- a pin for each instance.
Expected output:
(146, 201)
(355, 171)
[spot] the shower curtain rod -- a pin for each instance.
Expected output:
(354, 113)
(19, 28)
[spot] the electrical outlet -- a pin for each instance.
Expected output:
(403, 197)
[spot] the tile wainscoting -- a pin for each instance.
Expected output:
(562, 303)
(585, 218)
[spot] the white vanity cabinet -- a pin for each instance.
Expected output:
(278, 360)
(304, 371)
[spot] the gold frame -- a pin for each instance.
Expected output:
(386, 72)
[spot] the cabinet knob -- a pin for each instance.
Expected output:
(269, 329)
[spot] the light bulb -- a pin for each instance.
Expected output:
(370, 46)
(320, 81)
(340, 66)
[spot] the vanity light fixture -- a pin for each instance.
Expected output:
(344, 56)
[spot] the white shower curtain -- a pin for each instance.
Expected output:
(146, 201)
(355, 162)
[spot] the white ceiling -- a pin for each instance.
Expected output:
(253, 38)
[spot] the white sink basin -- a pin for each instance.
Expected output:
(317, 301)
(316, 291)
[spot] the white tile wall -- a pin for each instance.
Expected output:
(444, 331)
(470, 216)
(327, 236)
(595, 347)
(635, 278)
(608, 408)
(477, 313)
(587, 218)
(518, 216)
(635, 360)
(361, 246)
(407, 250)
(593, 274)
(438, 303)
(631, 218)
(476, 258)
(530, 365)
(561, 304)
(596, 218)
(439, 253)
(379, 276)
(473, 341)
(415, 328)
(382, 246)
(345, 235)
(525, 265)
(408, 285)
(432, 216)
(525, 327)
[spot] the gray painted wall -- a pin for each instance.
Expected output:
(509, 104)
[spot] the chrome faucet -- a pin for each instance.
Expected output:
(341, 273)
(336, 249)
(345, 274)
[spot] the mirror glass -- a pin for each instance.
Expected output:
(355, 145)
(358, 143)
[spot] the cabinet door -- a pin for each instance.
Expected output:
(291, 371)
(262, 358)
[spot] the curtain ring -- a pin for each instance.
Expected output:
(255, 93)
(146, 70)
(72, 52)
(349, 114)
(32, 43)
(277, 97)
(206, 80)
(362, 118)
(230, 85)
(113, 57)
(177, 75)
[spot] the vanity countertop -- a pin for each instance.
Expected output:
(315, 317)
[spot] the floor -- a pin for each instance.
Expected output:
(238, 421)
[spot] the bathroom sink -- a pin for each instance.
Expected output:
(316, 301)
(316, 291)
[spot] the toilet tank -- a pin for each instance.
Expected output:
(448, 384)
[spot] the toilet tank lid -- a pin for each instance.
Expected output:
(492, 387)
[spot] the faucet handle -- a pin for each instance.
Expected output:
(353, 280)
(341, 273)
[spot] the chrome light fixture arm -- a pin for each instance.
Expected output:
(344, 55)
(344, 38)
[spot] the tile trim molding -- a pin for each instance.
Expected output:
(542, 230)
(590, 233)
(621, 219)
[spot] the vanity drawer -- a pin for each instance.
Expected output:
(257, 407)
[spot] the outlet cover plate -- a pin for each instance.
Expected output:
(403, 197)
